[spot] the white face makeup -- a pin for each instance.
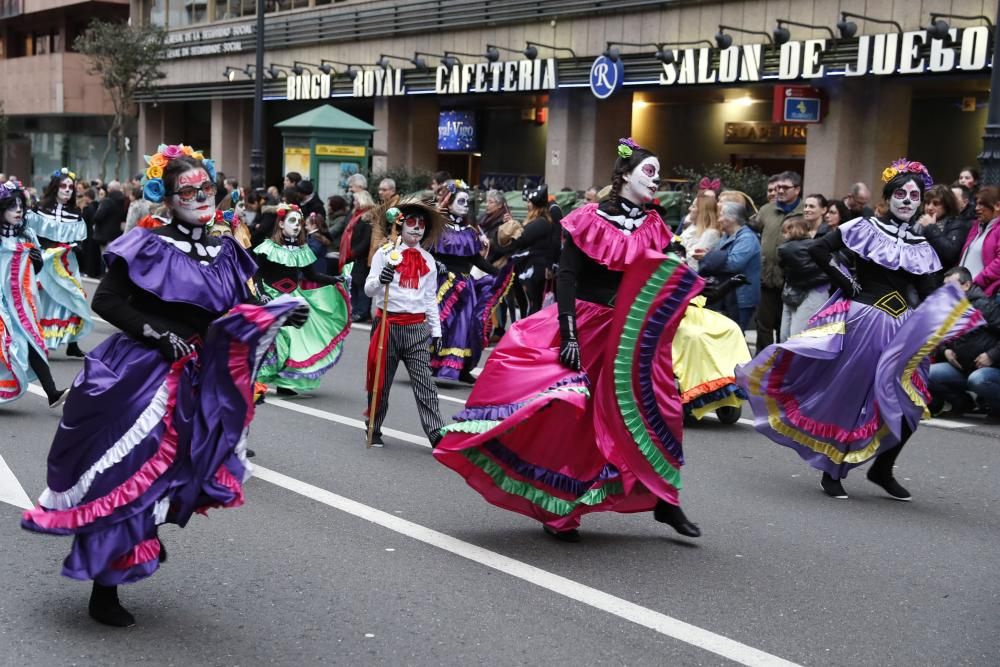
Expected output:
(904, 201)
(13, 215)
(291, 224)
(642, 182)
(460, 204)
(65, 191)
(191, 202)
(413, 231)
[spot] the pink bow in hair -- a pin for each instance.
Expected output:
(714, 185)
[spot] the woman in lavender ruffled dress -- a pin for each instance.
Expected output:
(155, 426)
(852, 386)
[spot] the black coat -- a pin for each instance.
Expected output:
(110, 217)
(947, 238)
(314, 205)
(798, 267)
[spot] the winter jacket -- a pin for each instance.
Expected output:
(989, 278)
(947, 237)
(982, 339)
(739, 253)
(769, 220)
(798, 267)
(110, 217)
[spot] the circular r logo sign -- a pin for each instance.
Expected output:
(606, 77)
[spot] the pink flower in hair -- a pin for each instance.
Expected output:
(172, 152)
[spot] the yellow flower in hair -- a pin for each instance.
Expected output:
(187, 150)
(154, 172)
(889, 173)
(158, 160)
(198, 155)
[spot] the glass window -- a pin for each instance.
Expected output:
(186, 12)
(234, 9)
(43, 44)
(158, 12)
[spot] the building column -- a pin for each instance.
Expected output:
(867, 126)
(582, 138)
(150, 129)
(405, 134)
(230, 139)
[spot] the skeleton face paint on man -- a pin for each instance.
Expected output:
(414, 227)
(291, 224)
(904, 201)
(641, 183)
(65, 191)
(460, 204)
(193, 200)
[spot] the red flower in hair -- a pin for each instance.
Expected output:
(281, 213)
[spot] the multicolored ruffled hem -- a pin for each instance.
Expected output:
(156, 442)
(301, 356)
(63, 311)
(849, 387)
(531, 439)
(19, 328)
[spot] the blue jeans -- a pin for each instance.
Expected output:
(947, 383)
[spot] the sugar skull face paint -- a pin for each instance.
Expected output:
(65, 191)
(291, 224)
(904, 201)
(193, 200)
(641, 183)
(460, 205)
(414, 228)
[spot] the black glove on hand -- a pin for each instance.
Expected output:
(170, 345)
(35, 255)
(387, 273)
(299, 315)
(569, 348)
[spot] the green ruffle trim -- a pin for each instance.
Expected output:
(536, 496)
(623, 364)
(475, 426)
(302, 256)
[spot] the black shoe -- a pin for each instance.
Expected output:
(435, 437)
(250, 453)
(58, 399)
(832, 487)
(105, 608)
(466, 377)
(377, 440)
(571, 535)
(284, 391)
(163, 551)
(889, 485)
(73, 350)
(673, 516)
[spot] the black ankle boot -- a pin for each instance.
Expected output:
(832, 487)
(571, 535)
(105, 608)
(73, 350)
(673, 516)
(888, 484)
(284, 391)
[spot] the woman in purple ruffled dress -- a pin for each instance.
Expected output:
(155, 426)
(852, 386)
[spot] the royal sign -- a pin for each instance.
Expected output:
(879, 55)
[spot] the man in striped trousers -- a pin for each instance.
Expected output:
(403, 283)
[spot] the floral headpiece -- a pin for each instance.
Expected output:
(63, 173)
(225, 217)
(11, 188)
(626, 146)
(152, 183)
(457, 184)
(285, 209)
(904, 166)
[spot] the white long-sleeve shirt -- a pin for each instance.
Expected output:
(423, 299)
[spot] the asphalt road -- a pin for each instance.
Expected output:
(344, 555)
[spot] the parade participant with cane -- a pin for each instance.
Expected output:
(407, 320)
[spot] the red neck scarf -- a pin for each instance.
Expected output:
(412, 268)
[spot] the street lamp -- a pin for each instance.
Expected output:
(420, 63)
(352, 69)
(989, 159)
(531, 50)
(666, 55)
(450, 60)
(849, 29)
(724, 41)
(782, 34)
(493, 52)
(383, 60)
(939, 29)
(276, 68)
(231, 72)
(612, 53)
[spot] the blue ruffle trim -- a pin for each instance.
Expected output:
(503, 410)
(717, 395)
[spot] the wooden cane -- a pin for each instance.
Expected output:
(382, 334)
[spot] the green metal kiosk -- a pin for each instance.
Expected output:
(326, 146)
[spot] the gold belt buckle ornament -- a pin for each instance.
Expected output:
(892, 303)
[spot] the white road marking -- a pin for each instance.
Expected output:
(11, 491)
(452, 399)
(346, 421)
(629, 611)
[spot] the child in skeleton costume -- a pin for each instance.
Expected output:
(852, 386)
(301, 355)
(577, 409)
(155, 426)
(410, 312)
(231, 221)
(63, 311)
(466, 304)
(23, 355)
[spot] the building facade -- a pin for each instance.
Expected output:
(58, 114)
(508, 91)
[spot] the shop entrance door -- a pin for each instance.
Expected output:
(333, 177)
